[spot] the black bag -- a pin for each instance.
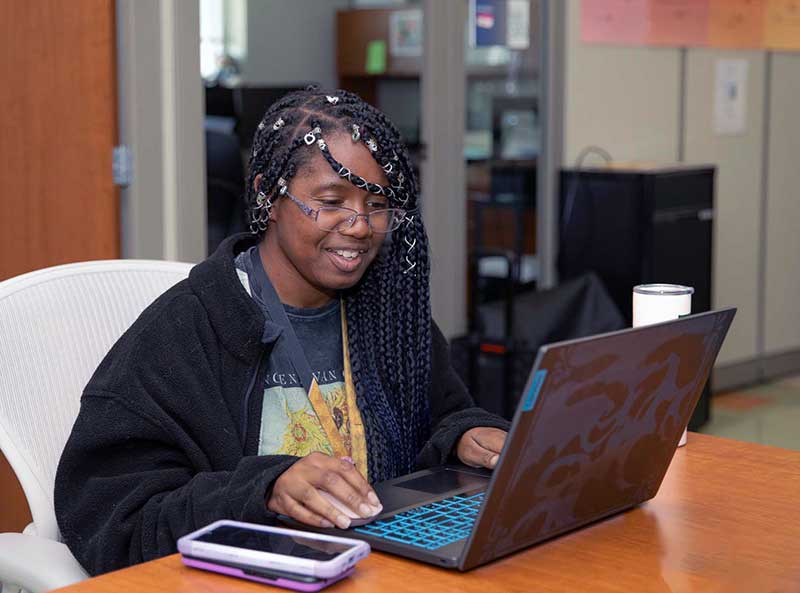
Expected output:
(495, 358)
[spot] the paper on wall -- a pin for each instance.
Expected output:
(730, 97)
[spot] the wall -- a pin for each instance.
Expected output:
(623, 99)
(782, 303)
(291, 42)
(738, 191)
(650, 104)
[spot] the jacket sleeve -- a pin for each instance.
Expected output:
(125, 491)
(453, 411)
(154, 454)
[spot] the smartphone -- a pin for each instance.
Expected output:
(264, 547)
(268, 577)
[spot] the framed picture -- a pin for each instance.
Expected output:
(405, 33)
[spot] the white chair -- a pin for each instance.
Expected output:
(56, 325)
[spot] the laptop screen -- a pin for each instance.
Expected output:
(595, 432)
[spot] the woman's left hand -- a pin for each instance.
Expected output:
(481, 446)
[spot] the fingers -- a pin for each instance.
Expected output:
(359, 483)
(286, 505)
(481, 447)
(311, 499)
(297, 492)
(342, 480)
(491, 439)
(473, 455)
(296, 495)
(469, 451)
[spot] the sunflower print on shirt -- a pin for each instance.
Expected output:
(291, 427)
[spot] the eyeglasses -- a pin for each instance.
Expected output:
(339, 218)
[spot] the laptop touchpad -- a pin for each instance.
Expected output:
(443, 481)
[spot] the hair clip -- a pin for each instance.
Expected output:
(261, 125)
(332, 100)
(311, 136)
(411, 265)
(278, 124)
(260, 198)
(282, 185)
(321, 144)
(356, 133)
(373, 146)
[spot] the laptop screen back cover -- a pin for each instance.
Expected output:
(595, 430)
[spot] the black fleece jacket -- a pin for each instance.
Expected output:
(167, 434)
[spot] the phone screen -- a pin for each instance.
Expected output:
(274, 543)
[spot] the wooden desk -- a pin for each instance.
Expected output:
(726, 519)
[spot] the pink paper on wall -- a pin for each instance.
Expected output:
(678, 22)
(736, 23)
(621, 22)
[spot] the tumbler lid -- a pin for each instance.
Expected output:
(664, 289)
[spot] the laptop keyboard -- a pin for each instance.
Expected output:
(430, 526)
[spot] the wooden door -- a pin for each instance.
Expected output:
(58, 116)
(58, 126)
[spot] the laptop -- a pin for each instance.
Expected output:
(593, 435)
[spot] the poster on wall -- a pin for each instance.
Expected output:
(519, 24)
(405, 33)
(488, 23)
(678, 22)
(730, 24)
(782, 25)
(730, 97)
(622, 22)
(736, 23)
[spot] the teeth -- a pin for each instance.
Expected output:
(347, 254)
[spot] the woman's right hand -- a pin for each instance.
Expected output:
(295, 493)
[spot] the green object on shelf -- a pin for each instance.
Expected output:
(376, 57)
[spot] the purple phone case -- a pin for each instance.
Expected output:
(278, 582)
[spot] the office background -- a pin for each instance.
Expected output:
(651, 104)
(639, 103)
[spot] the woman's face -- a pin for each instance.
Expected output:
(329, 261)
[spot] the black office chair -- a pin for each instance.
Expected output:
(494, 359)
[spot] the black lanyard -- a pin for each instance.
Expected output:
(269, 298)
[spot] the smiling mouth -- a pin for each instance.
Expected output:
(347, 253)
(346, 260)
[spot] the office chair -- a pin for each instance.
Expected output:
(57, 325)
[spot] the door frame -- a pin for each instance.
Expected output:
(161, 107)
(443, 87)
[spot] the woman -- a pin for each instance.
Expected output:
(297, 360)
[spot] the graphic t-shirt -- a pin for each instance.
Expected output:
(289, 424)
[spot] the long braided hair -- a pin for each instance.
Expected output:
(388, 311)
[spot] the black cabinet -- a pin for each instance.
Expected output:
(640, 225)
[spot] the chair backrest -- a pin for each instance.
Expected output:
(56, 325)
